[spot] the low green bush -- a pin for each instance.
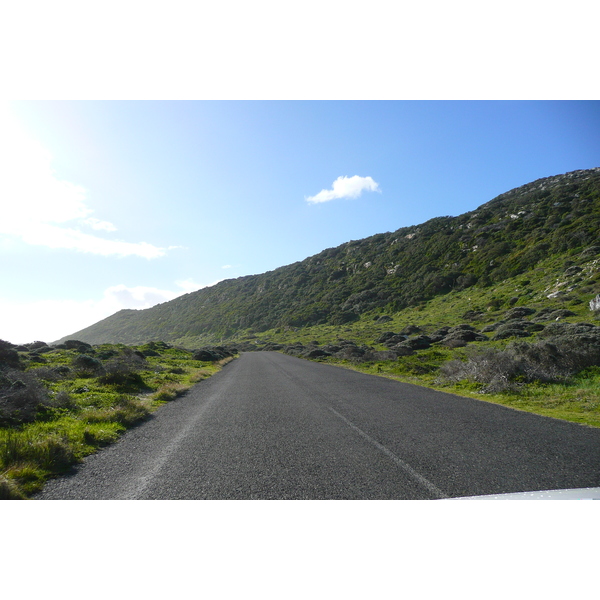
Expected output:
(21, 394)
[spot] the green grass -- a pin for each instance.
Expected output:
(84, 414)
(576, 400)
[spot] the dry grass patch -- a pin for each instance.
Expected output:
(9, 490)
(170, 391)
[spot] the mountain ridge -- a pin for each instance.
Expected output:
(503, 238)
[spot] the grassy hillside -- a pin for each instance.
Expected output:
(507, 238)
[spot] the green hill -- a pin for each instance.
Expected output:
(539, 243)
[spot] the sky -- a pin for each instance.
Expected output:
(124, 204)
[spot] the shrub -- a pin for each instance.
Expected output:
(86, 365)
(545, 361)
(123, 379)
(8, 355)
(61, 399)
(122, 371)
(77, 345)
(493, 367)
(50, 373)
(20, 396)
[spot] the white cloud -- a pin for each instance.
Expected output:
(52, 236)
(227, 267)
(46, 320)
(49, 320)
(345, 187)
(37, 204)
(100, 225)
(121, 296)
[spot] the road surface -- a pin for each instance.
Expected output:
(271, 426)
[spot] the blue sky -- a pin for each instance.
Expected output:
(136, 202)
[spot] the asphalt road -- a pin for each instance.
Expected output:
(270, 426)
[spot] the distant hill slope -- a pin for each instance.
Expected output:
(503, 238)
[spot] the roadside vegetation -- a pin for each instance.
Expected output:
(517, 343)
(61, 403)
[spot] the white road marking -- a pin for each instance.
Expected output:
(403, 465)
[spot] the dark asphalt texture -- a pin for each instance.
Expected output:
(271, 426)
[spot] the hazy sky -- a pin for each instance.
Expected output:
(124, 204)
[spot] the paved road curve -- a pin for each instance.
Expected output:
(270, 426)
